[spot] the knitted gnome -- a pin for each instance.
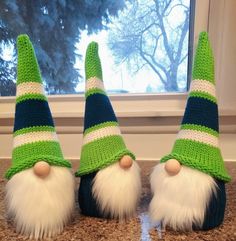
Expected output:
(110, 183)
(40, 190)
(189, 184)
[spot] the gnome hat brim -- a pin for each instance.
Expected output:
(30, 162)
(219, 173)
(98, 164)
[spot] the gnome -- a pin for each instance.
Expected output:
(189, 184)
(40, 187)
(110, 183)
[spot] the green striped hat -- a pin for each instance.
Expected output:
(34, 133)
(197, 144)
(102, 140)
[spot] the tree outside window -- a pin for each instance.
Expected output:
(144, 43)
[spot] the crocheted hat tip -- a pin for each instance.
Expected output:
(203, 67)
(204, 45)
(92, 48)
(93, 66)
(22, 40)
(203, 36)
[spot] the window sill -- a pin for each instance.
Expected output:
(146, 114)
(130, 106)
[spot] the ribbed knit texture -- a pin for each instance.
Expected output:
(87, 202)
(102, 140)
(34, 133)
(214, 214)
(197, 142)
(203, 67)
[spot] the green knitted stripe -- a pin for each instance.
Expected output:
(93, 66)
(36, 148)
(31, 161)
(102, 153)
(34, 129)
(94, 91)
(199, 128)
(204, 95)
(199, 156)
(31, 97)
(25, 156)
(203, 67)
(27, 65)
(99, 126)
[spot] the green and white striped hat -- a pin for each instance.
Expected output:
(35, 138)
(102, 141)
(197, 142)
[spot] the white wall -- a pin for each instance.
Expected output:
(222, 29)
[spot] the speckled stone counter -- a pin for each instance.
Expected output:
(136, 229)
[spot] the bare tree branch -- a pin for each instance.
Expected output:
(150, 63)
(182, 37)
(156, 44)
(174, 6)
(149, 29)
(162, 27)
(181, 61)
(156, 63)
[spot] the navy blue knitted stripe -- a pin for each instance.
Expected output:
(202, 112)
(214, 214)
(98, 110)
(215, 209)
(32, 113)
(88, 204)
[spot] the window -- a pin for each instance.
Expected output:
(145, 45)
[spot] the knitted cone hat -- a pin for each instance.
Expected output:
(34, 133)
(102, 140)
(197, 142)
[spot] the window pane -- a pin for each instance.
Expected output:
(143, 44)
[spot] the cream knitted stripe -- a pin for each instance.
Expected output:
(199, 136)
(34, 137)
(99, 126)
(101, 133)
(203, 86)
(94, 83)
(29, 88)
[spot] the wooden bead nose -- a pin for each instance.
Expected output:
(126, 162)
(42, 169)
(172, 167)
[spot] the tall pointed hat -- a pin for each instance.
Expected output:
(102, 140)
(34, 133)
(197, 144)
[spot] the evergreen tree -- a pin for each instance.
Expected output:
(54, 27)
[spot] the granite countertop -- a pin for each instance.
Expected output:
(136, 229)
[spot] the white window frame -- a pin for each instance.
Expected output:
(126, 104)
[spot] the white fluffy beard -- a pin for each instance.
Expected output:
(180, 201)
(117, 191)
(40, 207)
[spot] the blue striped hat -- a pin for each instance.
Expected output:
(102, 141)
(35, 138)
(197, 142)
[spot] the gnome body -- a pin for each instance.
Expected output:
(110, 183)
(40, 190)
(189, 184)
